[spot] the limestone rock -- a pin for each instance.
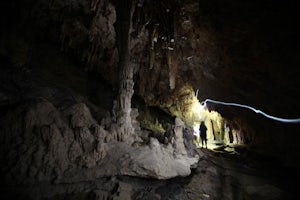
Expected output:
(179, 144)
(44, 143)
(157, 161)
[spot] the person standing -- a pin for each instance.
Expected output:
(202, 130)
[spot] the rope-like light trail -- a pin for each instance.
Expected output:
(253, 109)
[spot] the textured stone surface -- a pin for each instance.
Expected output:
(44, 144)
(60, 78)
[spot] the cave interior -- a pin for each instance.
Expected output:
(102, 99)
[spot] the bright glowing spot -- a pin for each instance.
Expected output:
(196, 129)
(196, 134)
(297, 120)
(198, 110)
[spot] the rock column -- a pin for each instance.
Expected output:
(126, 72)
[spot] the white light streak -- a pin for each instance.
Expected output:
(297, 120)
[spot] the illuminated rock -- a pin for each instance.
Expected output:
(157, 161)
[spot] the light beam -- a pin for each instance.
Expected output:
(297, 120)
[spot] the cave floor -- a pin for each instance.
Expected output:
(236, 173)
(220, 174)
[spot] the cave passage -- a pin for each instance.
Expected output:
(97, 99)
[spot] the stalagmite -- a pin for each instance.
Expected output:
(179, 145)
(125, 95)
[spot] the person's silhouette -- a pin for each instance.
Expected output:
(202, 130)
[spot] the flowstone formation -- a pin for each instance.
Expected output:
(66, 144)
(52, 138)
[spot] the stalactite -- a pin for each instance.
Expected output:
(226, 135)
(94, 4)
(172, 69)
(101, 27)
(94, 33)
(237, 137)
(213, 130)
(153, 39)
(70, 32)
